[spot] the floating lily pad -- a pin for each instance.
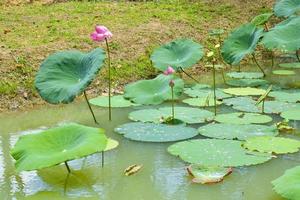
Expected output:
(283, 72)
(185, 114)
(178, 53)
(206, 175)
(151, 132)
(214, 152)
(241, 42)
(154, 91)
(204, 93)
(243, 118)
(201, 102)
(261, 19)
(269, 144)
(290, 65)
(244, 91)
(292, 95)
(117, 101)
(291, 114)
(111, 144)
(57, 145)
(247, 75)
(237, 131)
(246, 82)
(288, 185)
(66, 74)
(200, 86)
(286, 8)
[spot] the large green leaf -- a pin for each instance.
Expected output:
(201, 102)
(241, 42)
(243, 118)
(57, 145)
(286, 8)
(244, 91)
(214, 152)
(117, 101)
(247, 75)
(292, 95)
(269, 144)
(288, 185)
(178, 53)
(246, 82)
(66, 74)
(261, 19)
(154, 91)
(151, 132)
(284, 36)
(185, 114)
(236, 131)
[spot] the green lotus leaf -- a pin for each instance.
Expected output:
(243, 118)
(206, 175)
(200, 86)
(286, 8)
(66, 74)
(241, 42)
(151, 132)
(244, 91)
(216, 32)
(117, 101)
(247, 75)
(269, 144)
(290, 65)
(292, 95)
(284, 36)
(205, 93)
(154, 91)
(201, 102)
(283, 72)
(291, 114)
(215, 152)
(178, 53)
(185, 114)
(237, 131)
(57, 145)
(288, 185)
(111, 144)
(261, 19)
(246, 82)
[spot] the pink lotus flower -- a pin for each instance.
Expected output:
(171, 83)
(169, 71)
(101, 33)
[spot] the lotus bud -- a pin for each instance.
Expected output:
(171, 83)
(217, 46)
(169, 71)
(101, 33)
(210, 54)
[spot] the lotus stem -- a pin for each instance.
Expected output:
(223, 76)
(89, 105)
(188, 75)
(239, 70)
(266, 27)
(297, 55)
(109, 80)
(68, 168)
(263, 106)
(102, 159)
(272, 58)
(66, 183)
(261, 69)
(173, 112)
(214, 82)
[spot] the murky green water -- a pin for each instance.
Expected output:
(163, 177)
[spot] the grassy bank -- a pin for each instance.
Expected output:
(30, 32)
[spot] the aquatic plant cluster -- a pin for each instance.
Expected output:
(233, 139)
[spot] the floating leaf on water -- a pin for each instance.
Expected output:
(243, 118)
(290, 65)
(284, 127)
(283, 72)
(269, 144)
(236, 131)
(246, 75)
(200, 86)
(117, 101)
(286, 8)
(246, 82)
(178, 53)
(132, 169)
(241, 42)
(204, 93)
(291, 114)
(244, 91)
(150, 132)
(206, 175)
(37, 151)
(261, 19)
(66, 74)
(154, 91)
(292, 95)
(201, 102)
(288, 185)
(111, 144)
(214, 152)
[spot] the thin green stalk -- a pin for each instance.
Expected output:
(272, 58)
(173, 112)
(297, 55)
(263, 106)
(68, 168)
(214, 82)
(102, 159)
(188, 75)
(89, 105)
(109, 80)
(261, 69)
(223, 76)
(239, 70)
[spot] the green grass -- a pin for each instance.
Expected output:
(33, 31)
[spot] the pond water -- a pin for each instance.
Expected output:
(163, 176)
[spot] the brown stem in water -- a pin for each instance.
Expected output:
(89, 105)
(109, 80)
(188, 75)
(67, 166)
(261, 69)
